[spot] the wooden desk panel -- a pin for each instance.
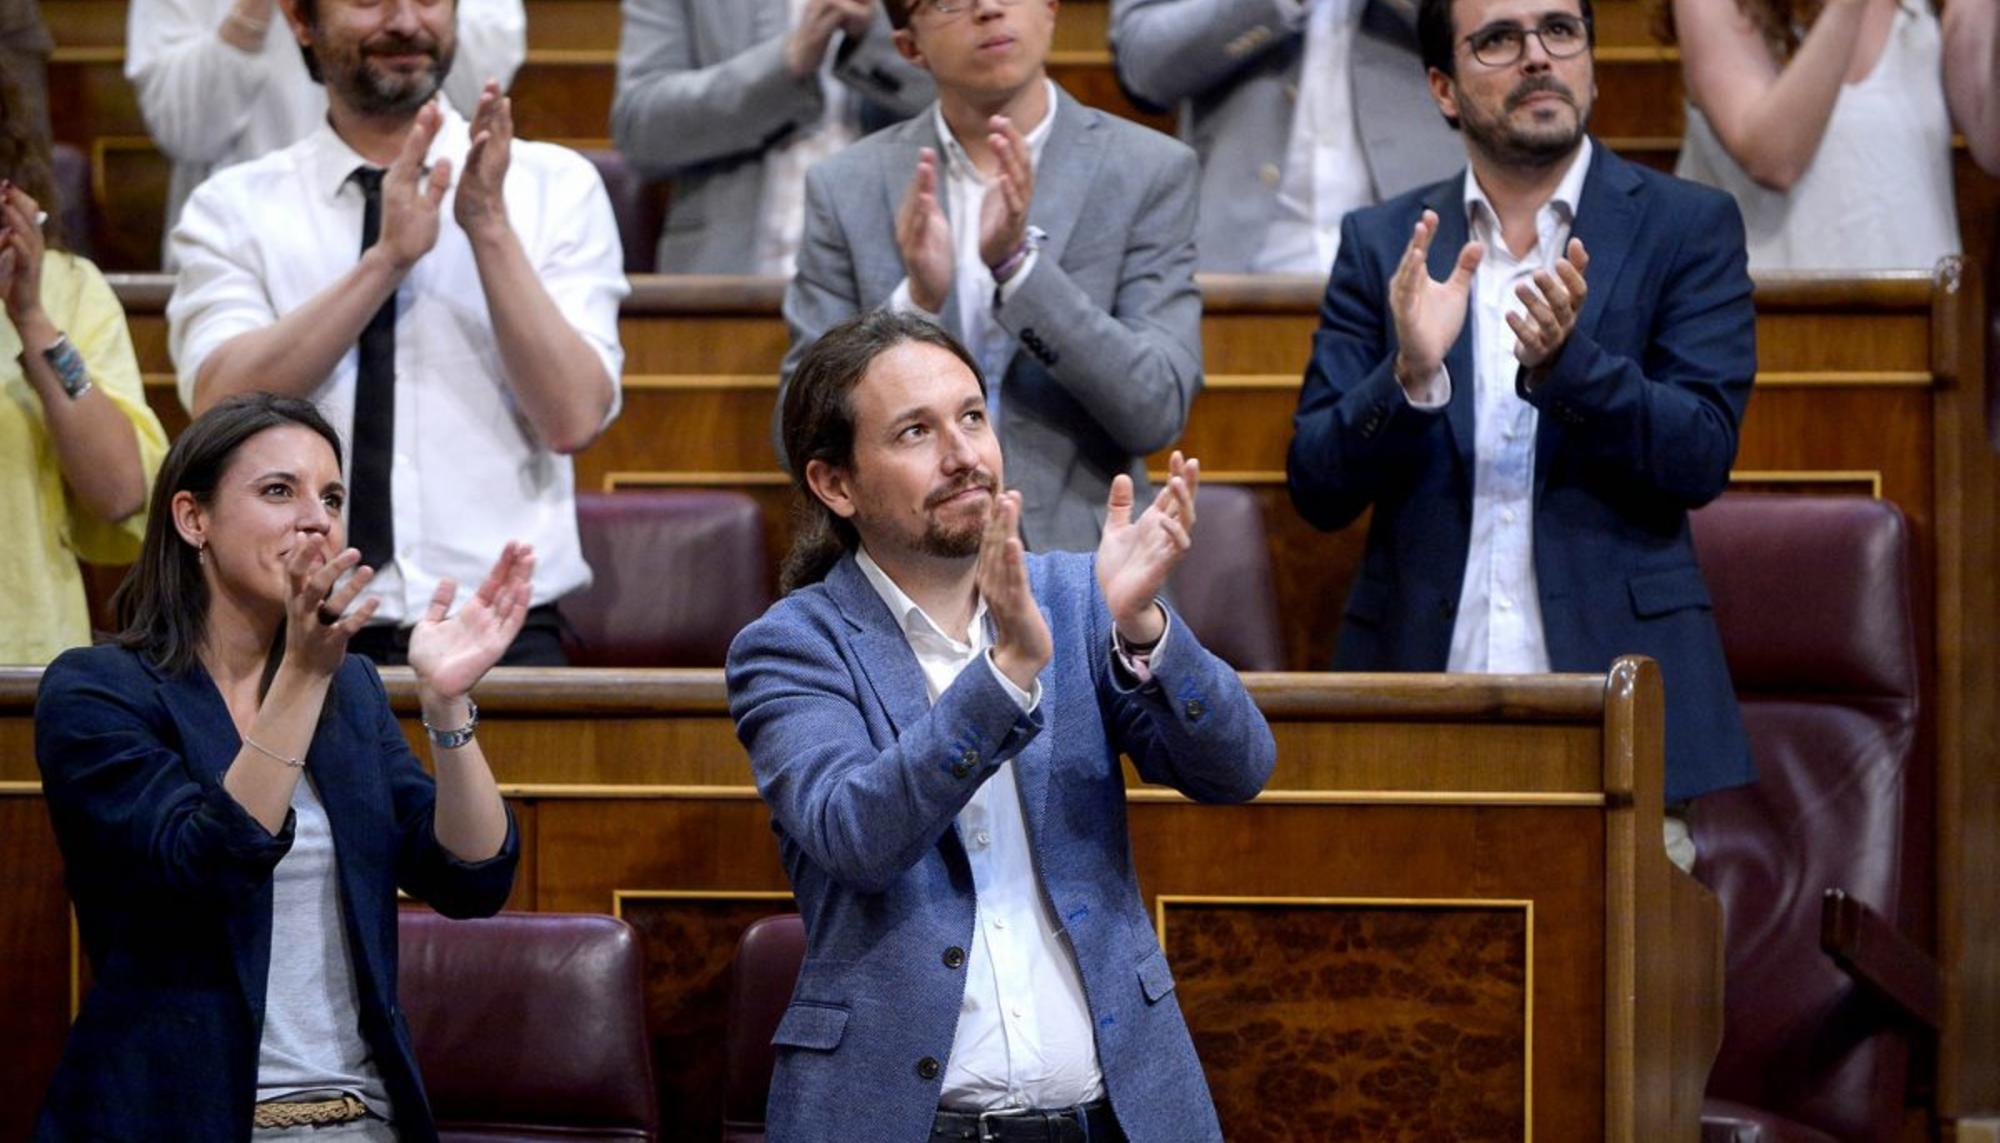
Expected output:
(1481, 826)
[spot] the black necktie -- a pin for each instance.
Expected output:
(371, 524)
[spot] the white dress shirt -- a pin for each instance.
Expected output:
(1326, 175)
(209, 105)
(1499, 624)
(964, 190)
(1024, 1037)
(264, 237)
(785, 165)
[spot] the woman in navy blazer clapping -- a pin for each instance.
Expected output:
(237, 806)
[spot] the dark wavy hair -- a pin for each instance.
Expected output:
(24, 158)
(817, 423)
(162, 606)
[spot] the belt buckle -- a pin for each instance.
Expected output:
(987, 1132)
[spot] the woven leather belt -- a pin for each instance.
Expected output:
(309, 1113)
(1091, 1121)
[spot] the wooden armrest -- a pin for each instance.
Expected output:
(1869, 949)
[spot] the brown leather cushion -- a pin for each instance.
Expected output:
(675, 575)
(529, 1026)
(1812, 597)
(760, 986)
(1224, 587)
(1724, 1121)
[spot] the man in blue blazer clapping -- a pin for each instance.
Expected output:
(936, 720)
(1531, 371)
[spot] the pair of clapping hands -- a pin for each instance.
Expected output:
(1429, 314)
(448, 652)
(1134, 558)
(923, 234)
(412, 197)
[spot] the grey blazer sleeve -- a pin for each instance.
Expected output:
(1137, 367)
(876, 71)
(671, 112)
(1170, 50)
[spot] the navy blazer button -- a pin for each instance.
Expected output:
(1195, 710)
(960, 770)
(928, 1068)
(954, 957)
(971, 757)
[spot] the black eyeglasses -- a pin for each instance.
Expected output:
(1501, 45)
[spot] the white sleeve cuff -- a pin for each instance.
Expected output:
(1440, 384)
(1027, 701)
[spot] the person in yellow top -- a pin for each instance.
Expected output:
(78, 446)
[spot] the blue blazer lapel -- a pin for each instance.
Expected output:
(209, 742)
(878, 641)
(1448, 200)
(1607, 216)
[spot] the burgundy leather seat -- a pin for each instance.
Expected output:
(1823, 864)
(760, 986)
(676, 574)
(1224, 588)
(639, 206)
(529, 1026)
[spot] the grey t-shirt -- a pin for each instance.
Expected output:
(312, 1045)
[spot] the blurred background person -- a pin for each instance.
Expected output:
(236, 807)
(1828, 122)
(78, 446)
(1972, 77)
(1301, 110)
(25, 45)
(221, 81)
(735, 101)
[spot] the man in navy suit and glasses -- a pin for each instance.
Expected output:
(1531, 372)
(936, 719)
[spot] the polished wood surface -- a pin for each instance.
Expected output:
(1503, 831)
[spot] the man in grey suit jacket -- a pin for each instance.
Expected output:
(710, 95)
(1237, 70)
(1055, 241)
(935, 720)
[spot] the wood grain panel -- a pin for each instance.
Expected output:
(1351, 1019)
(34, 948)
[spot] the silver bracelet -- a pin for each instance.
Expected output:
(453, 739)
(68, 366)
(294, 763)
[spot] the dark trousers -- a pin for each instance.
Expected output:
(538, 645)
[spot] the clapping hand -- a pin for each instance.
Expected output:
(1553, 303)
(923, 236)
(316, 628)
(1003, 215)
(1021, 642)
(1429, 314)
(815, 28)
(410, 197)
(452, 652)
(20, 254)
(1135, 557)
(480, 202)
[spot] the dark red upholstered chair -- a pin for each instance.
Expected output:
(639, 206)
(760, 986)
(529, 1026)
(1823, 865)
(676, 574)
(71, 170)
(1224, 588)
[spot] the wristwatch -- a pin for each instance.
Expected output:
(453, 739)
(68, 364)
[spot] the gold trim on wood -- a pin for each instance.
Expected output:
(554, 791)
(1845, 378)
(1391, 798)
(1526, 905)
(1869, 476)
(702, 382)
(613, 481)
(620, 896)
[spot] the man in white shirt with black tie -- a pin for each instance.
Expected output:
(447, 295)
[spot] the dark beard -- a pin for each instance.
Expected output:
(961, 543)
(1512, 148)
(380, 96)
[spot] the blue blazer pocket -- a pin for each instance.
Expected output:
(1662, 593)
(1156, 980)
(808, 1025)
